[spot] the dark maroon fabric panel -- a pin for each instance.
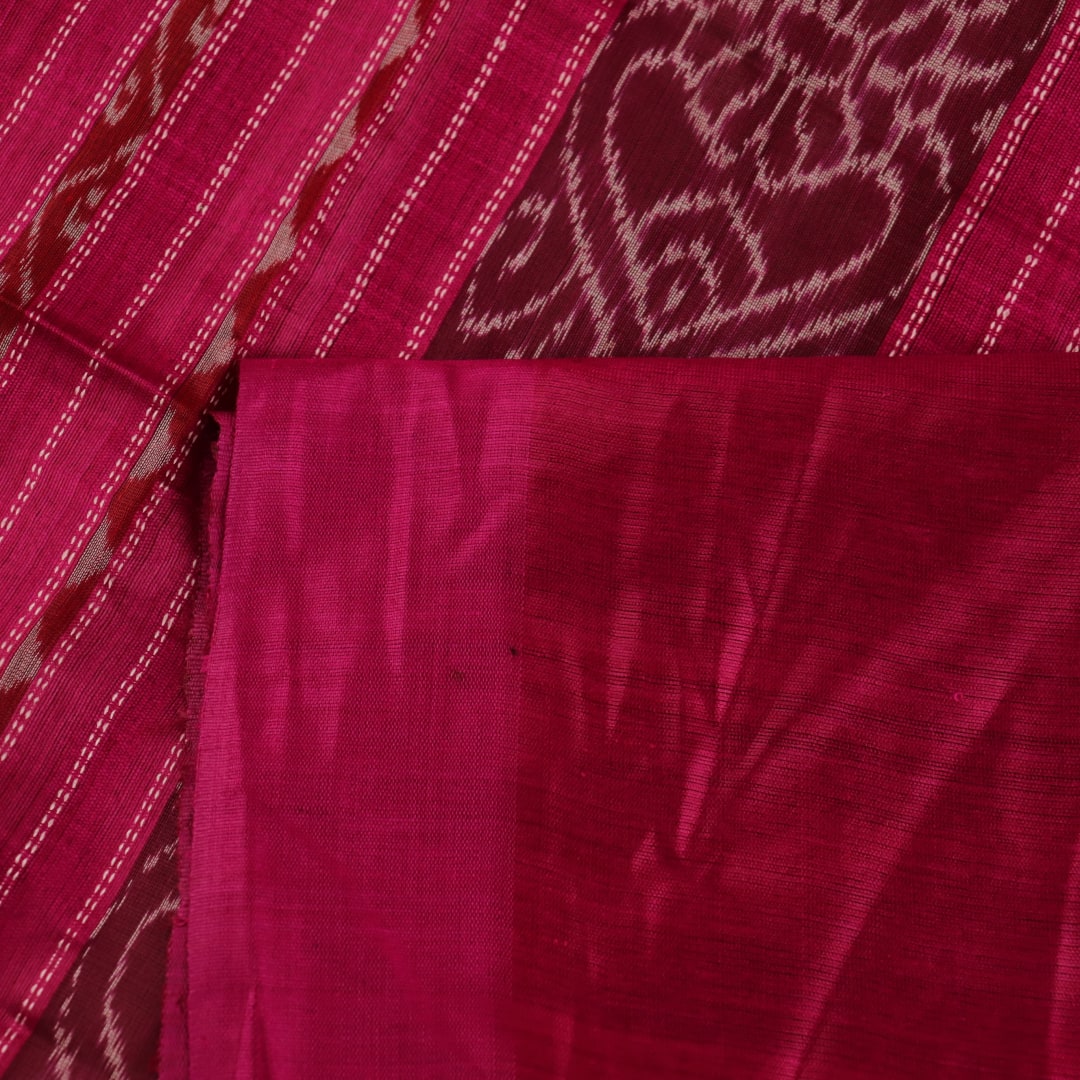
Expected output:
(739, 178)
(105, 1019)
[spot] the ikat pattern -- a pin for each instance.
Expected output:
(744, 179)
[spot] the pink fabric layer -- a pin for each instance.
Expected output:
(350, 885)
(665, 719)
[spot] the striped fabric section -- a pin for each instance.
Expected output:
(33, 256)
(63, 64)
(226, 176)
(1000, 276)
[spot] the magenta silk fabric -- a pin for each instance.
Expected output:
(642, 719)
(677, 717)
(351, 864)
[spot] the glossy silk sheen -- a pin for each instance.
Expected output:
(642, 719)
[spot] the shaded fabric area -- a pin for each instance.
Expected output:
(661, 718)
(105, 1019)
(738, 178)
(797, 788)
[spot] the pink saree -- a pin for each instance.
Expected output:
(539, 539)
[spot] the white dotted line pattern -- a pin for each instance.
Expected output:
(974, 209)
(46, 592)
(270, 227)
(419, 182)
(169, 256)
(18, 865)
(72, 937)
(90, 611)
(479, 227)
(1074, 341)
(1031, 260)
(337, 185)
(217, 182)
(100, 100)
(94, 232)
(42, 68)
